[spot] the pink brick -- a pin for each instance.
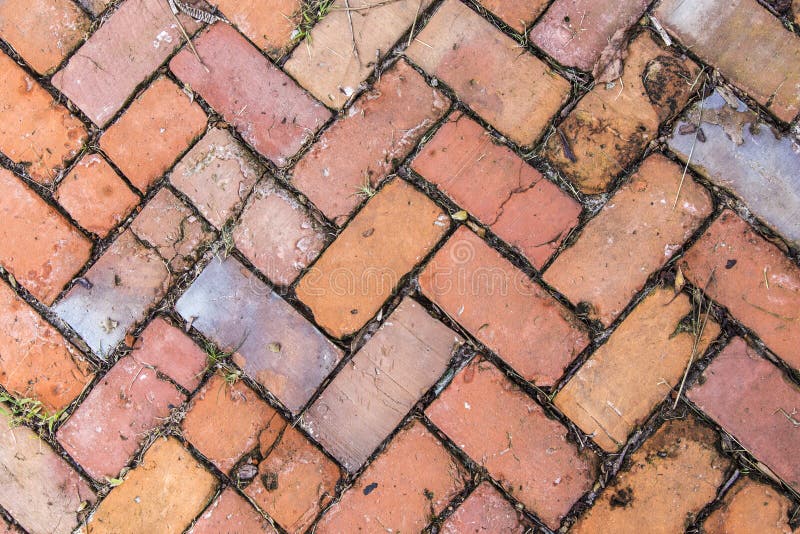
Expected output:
(519, 14)
(172, 352)
(485, 510)
(231, 513)
(268, 108)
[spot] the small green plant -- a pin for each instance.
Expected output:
(216, 357)
(28, 411)
(365, 190)
(310, 13)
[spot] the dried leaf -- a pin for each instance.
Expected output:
(460, 215)
(274, 347)
(680, 281)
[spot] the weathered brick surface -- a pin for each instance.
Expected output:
(153, 132)
(95, 196)
(295, 480)
(267, 107)
(163, 494)
(171, 352)
(358, 272)
(94, 6)
(577, 32)
(752, 278)
(750, 398)
(670, 479)
(117, 292)
(740, 152)
(280, 349)
(503, 308)
(35, 359)
(751, 507)
(120, 55)
(43, 32)
(268, 23)
(37, 244)
(624, 380)
(230, 513)
(485, 510)
(498, 187)
(518, 102)
(108, 427)
(746, 43)
(415, 470)
(327, 65)
(636, 233)
(391, 118)
(505, 431)
(35, 131)
(370, 397)
(519, 14)
(37, 486)
(610, 127)
(217, 174)
(277, 234)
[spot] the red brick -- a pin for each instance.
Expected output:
(498, 188)
(576, 32)
(750, 398)
(371, 395)
(43, 32)
(37, 244)
(388, 121)
(358, 272)
(108, 427)
(485, 510)
(35, 131)
(415, 470)
(268, 23)
(224, 420)
(624, 380)
(750, 507)
(748, 45)
(157, 127)
(217, 174)
(169, 226)
(295, 481)
(172, 352)
(274, 344)
(163, 494)
(326, 63)
(267, 107)
(95, 196)
(277, 234)
(120, 55)
(506, 432)
(753, 279)
(635, 233)
(610, 127)
(37, 487)
(671, 478)
(122, 285)
(36, 361)
(230, 513)
(512, 90)
(503, 308)
(519, 14)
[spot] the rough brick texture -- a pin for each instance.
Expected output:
(485, 510)
(230, 512)
(751, 507)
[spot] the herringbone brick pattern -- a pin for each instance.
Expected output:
(396, 266)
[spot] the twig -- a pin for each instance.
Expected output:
(352, 31)
(414, 25)
(174, 10)
(660, 29)
(364, 8)
(691, 152)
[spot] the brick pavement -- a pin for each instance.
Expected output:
(393, 266)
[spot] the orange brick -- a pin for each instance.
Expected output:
(415, 470)
(485, 510)
(635, 233)
(153, 132)
(671, 478)
(37, 362)
(512, 90)
(750, 507)
(503, 308)
(506, 432)
(519, 14)
(498, 187)
(230, 513)
(35, 131)
(95, 196)
(43, 32)
(746, 43)
(326, 65)
(358, 272)
(268, 23)
(388, 121)
(753, 279)
(37, 244)
(624, 380)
